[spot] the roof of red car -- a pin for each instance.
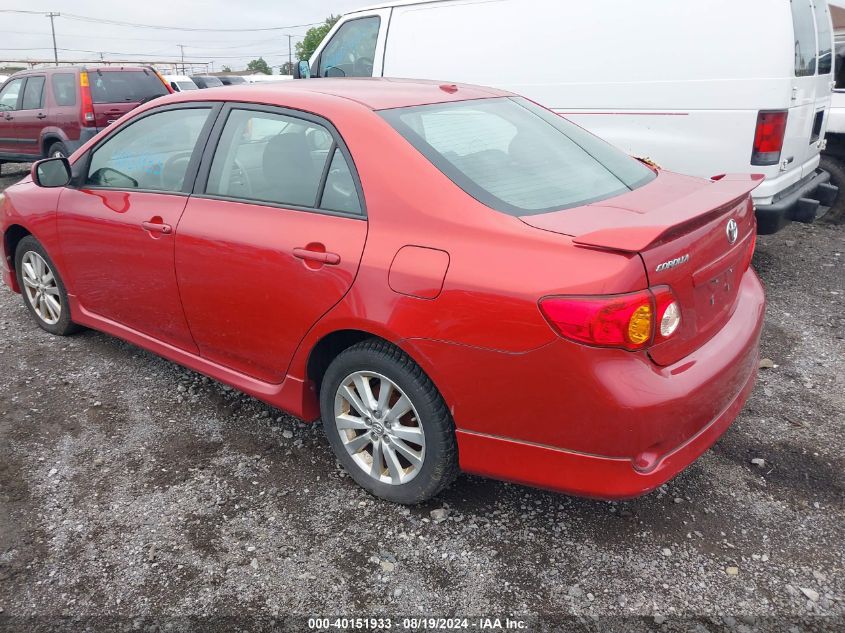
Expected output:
(376, 94)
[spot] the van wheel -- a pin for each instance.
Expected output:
(387, 423)
(835, 168)
(57, 150)
(42, 288)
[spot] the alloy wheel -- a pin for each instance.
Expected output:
(379, 427)
(41, 288)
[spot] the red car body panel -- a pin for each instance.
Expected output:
(453, 283)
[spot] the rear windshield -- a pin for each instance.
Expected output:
(208, 82)
(517, 157)
(122, 86)
(186, 85)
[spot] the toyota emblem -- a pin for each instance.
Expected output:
(732, 230)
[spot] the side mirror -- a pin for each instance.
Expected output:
(302, 70)
(51, 172)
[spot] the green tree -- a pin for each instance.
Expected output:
(226, 69)
(313, 37)
(259, 66)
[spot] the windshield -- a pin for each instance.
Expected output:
(517, 157)
(122, 86)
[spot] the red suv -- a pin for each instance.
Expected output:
(54, 111)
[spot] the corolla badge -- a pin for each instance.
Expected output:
(673, 263)
(732, 230)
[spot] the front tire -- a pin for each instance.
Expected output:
(387, 423)
(42, 288)
(835, 168)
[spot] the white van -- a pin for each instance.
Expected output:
(702, 88)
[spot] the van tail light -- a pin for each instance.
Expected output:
(88, 117)
(768, 137)
(631, 321)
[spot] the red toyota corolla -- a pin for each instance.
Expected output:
(451, 277)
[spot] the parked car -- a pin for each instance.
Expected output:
(178, 83)
(261, 78)
(206, 81)
(231, 80)
(450, 276)
(54, 111)
(683, 85)
(833, 156)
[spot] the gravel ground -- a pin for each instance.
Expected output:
(134, 489)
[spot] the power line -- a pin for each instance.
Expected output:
(82, 18)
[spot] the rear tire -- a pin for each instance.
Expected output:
(57, 150)
(835, 168)
(42, 288)
(398, 441)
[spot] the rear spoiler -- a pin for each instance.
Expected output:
(724, 192)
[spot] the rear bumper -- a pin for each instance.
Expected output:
(799, 203)
(620, 432)
(85, 135)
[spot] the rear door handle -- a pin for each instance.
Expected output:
(156, 227)
(332, 259)
(41, 115)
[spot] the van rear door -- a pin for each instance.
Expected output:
(810, 99)
(824, 73)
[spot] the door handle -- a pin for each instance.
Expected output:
(157, 227)
(41, 115)
(9, 117)
(332, 259)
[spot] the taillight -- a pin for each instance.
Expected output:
(166, 84)
(631, 321)
(768, 137)
(88, 117)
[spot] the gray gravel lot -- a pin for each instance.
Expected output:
(131, 487)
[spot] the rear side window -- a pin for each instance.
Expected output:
(64, 89)
(805, 38)
(9, 95)
(517, 157)
(33, 93)
(351, 51)
(278, 159)
(125, 86)
(824, 37)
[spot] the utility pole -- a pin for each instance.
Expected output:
(52, 15)
(290, 57)
(182, 48)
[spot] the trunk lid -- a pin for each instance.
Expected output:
(679, 226)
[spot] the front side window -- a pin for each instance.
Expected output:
(352, 50)
(279, 159)
(64, 89)
(125, 86)
(151, 154)
(9, 95)
(33, 94)
(517, 157)
(805, 38)
(824, 37)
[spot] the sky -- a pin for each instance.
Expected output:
(26, 36)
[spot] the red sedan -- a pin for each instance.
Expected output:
(451, 277)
